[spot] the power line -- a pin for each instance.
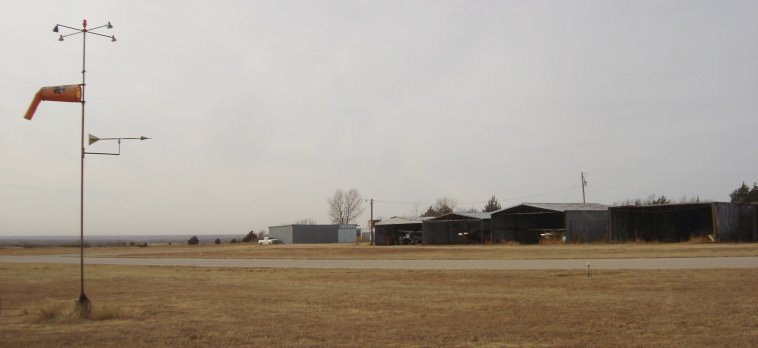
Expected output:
(392, 202)
(483, 202)
(542, 194)
(664, 175)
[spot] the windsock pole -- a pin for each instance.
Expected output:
(84, 302)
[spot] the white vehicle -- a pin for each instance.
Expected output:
(268, 240)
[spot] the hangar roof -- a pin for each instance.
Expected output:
(559, 207)
(401, 220)
(464, 216)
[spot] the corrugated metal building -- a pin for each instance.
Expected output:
(457, 228)
(394, 230)
(303, 234)
(680, 222)
(524, 223)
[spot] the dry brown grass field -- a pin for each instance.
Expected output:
(411, 252)
(187, 306)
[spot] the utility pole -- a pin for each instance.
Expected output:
(584, 183)
(373, 237)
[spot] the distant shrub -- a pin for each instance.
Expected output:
(250, 238)
(217, 241)
(74, 245)
(233, 241)
(193, 241)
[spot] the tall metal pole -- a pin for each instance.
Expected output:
(584, 183)
(84, 302)
(373, 236)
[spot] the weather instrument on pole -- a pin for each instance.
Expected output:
(93, 139)
(75, 93)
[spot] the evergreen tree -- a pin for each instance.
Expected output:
(193, 241)
(441, 207)
(492, 205)
(661, 200)
(445, 205)
(444, 209)
(430, 212)
(250, 238)
(744, 194)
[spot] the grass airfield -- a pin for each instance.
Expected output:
(194, 306)
(364, 251)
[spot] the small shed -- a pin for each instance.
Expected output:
(457, 228)
(577, 222)
(719, 221)
(303, 234)
(398, 230)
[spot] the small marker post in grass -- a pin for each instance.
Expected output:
(588, 269)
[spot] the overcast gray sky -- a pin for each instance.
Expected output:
(259, 110)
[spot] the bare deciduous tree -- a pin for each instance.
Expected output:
(445, 205)
(441, 207)
(345, 207)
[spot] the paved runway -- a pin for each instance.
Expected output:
(648, 263)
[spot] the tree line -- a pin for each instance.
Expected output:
(446, 205)
(744, 194)
(347, 205)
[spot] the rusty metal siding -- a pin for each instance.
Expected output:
(584, 226)
(582, 222)
(735, 223)
(669, 222)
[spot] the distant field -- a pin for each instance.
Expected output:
(460, 252)
(200, 307)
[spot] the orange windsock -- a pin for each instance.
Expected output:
(67, 93)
